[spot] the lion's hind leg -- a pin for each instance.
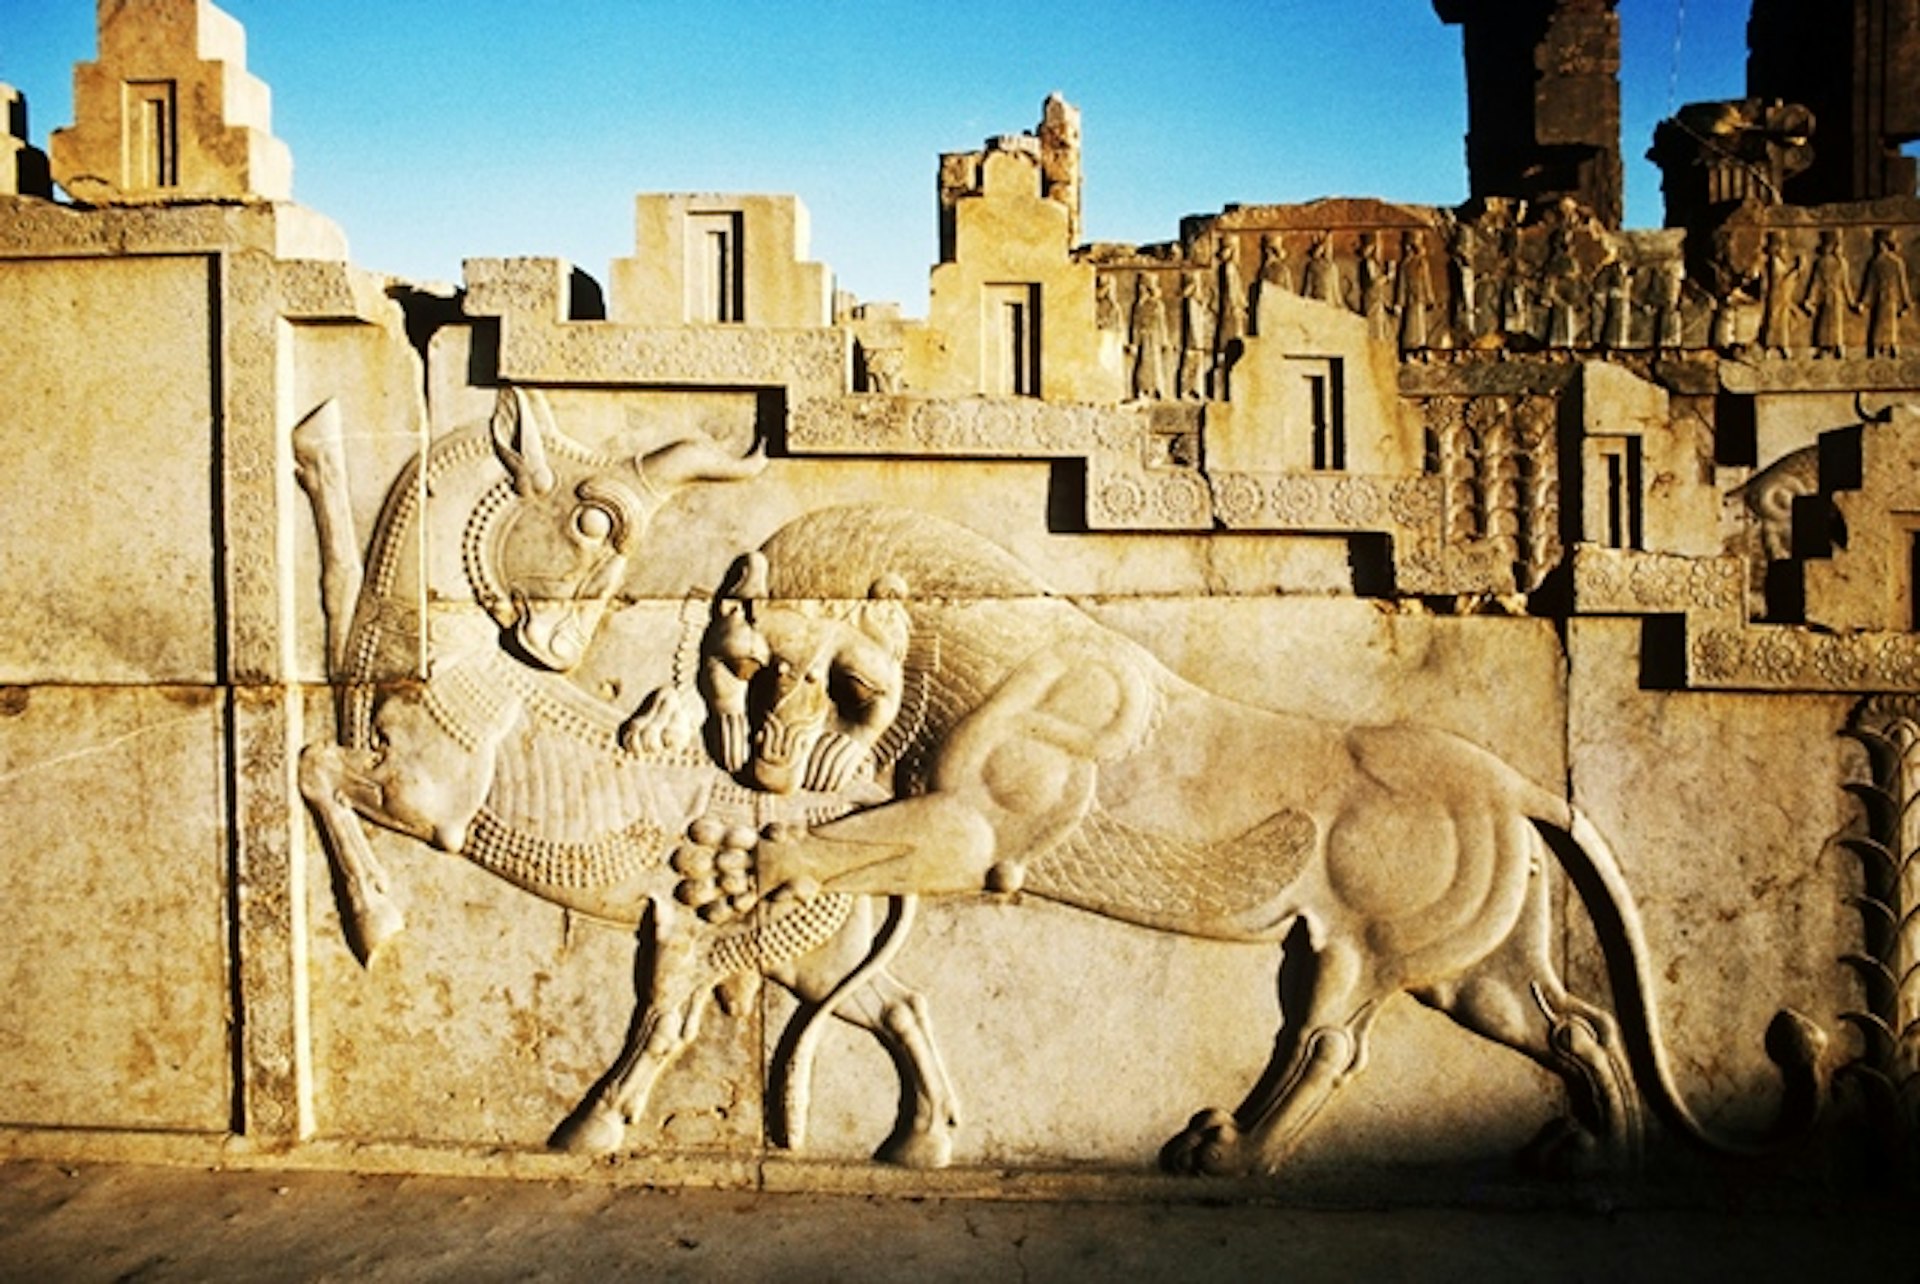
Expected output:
(897, 1016)
(1316, 1054)
(1515, 997)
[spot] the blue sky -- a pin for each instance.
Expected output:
(432, 130)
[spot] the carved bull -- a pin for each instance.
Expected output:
(1039, 753)
(496, 756)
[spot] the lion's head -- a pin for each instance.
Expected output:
(818, 661)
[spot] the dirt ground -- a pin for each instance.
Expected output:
(113, 1223)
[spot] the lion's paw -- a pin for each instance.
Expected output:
(715, 865)
(1211, 1143)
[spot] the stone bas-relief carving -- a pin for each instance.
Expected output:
(1396, 553)
(495, 757)
(1414, 859)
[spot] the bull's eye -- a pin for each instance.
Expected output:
(592, 523)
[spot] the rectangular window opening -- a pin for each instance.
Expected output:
(716, 289)
(150, 145)
(1010, 358)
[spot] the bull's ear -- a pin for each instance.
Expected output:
(888, 588)
(746, 578)
(519, 439)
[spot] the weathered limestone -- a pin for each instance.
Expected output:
(707, 259)
(1348, 694)
(169, 112)
(23, 167)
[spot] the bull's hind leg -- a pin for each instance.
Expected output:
(1315, 1056)
(672, 994)
(1515, 997)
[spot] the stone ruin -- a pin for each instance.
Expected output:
(1475, 646)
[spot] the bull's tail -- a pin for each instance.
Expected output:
(1793, 1042)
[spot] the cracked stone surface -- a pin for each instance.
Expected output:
(153, 1224)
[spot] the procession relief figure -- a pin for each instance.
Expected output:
(1516, 301)
(1829, 297)
(1466, 247)
(1613, 293)
(1322, 277)
(1230, 322)
(1376, 287)
(1565, 292)
(1149, 340)
(1275, 272)
(1106, 302)
(1669, 288)
(1196, 348)
(1777, 273)
(1414, 295)
(1885, 295)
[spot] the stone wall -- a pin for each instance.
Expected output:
(1352, 694)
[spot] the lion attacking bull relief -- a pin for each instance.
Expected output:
(1037, 752)
(494, 755)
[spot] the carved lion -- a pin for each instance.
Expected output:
(1032, 749)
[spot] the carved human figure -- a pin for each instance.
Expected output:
(1885, 295)
(1414, 293)
(1275, 274)
(1613, 289)
(1322, 280)
(1106, 302)
(1565, 288)
(1778, 273)
(1829, 297)
(1149, 340)
(1516, 293)
(1669, 290)
(1230, 300)
(1196, 346)
(1376, 286)
(1039, 759)
(1464, 266)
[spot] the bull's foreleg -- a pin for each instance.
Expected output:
(673, 991)
(373, 917)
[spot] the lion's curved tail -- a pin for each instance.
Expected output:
(1793, 1042)
(795, 1074)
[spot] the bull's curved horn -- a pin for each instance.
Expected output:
(519, 439)
(693, 459)
(1880, 416)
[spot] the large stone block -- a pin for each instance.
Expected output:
(111, 414)
(113, 909)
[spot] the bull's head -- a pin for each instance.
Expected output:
(800, 691)
(547, 552)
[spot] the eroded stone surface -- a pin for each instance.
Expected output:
(1354, 686)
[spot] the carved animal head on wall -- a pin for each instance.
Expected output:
(800, 695)
(549, 545)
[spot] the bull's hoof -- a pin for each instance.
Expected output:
(931, 1148)
(1211, 1144)
(371, 926)
(593, 1129)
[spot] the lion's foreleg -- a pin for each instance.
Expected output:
(937, 843)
